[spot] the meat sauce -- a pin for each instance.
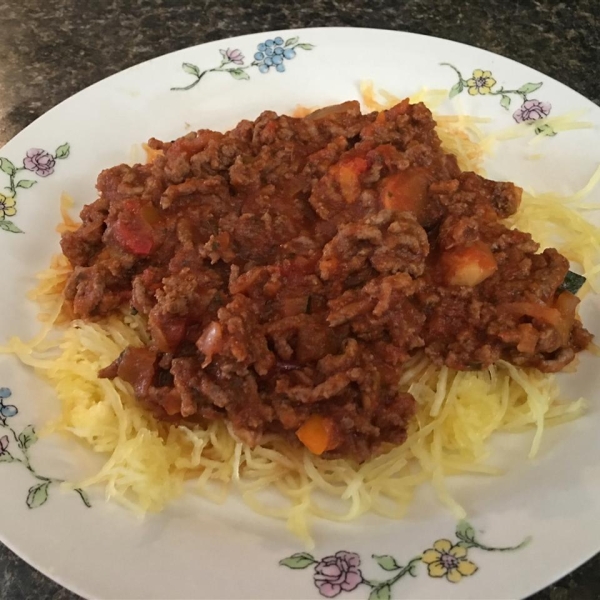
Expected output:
(289, 267)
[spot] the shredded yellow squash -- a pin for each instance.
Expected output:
(148, 461)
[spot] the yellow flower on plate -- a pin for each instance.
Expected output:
(7, 207)
(482, 82)
(446, 559)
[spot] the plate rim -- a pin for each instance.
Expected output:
(463, 45)
(58, 578)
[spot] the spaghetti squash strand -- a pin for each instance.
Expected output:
(148, 462)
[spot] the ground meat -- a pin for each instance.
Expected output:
(288, 269)
(80, 245)
(385, 243)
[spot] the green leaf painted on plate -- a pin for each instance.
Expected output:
(528, 88)
(505, 101)
(305, 46)
(456, 89)
(545, 130)
(28, 437)
(291, 41)
(6, 458)
(382, 592)
(84, 497)
(191, 69)
(10, 226)
(63, 151)
(464, 531)
(387, 562)
(25, 183)
(239, 74)
(7, 166)
(38, 495)
(300, 560)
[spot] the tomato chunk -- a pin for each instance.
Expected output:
(134, 235)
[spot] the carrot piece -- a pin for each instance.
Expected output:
(317, 434)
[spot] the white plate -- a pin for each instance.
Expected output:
(198, 550)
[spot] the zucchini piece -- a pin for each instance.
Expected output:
(572, 282)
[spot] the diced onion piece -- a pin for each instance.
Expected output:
(171, 403)
(210, 342)
(327, 111)
(150, 214)
(544, 313)
(468, 265)
(349, 177)
(151, 153)
(566, 304)
(406, 190)
(529, 338)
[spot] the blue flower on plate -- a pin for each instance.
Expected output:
(270, 54)
(273, 53)
(6, 410)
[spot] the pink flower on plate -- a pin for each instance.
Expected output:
(3, 444)
(39, 161)
(532, 110)
(234, 56)
(336, 573)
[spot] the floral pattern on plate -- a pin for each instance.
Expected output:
(482, 83)
(37, 161)
(271, 54)
(341, 571)
(14, 448)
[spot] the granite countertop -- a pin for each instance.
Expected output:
(51, 49)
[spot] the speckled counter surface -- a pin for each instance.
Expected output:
(50, 49)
